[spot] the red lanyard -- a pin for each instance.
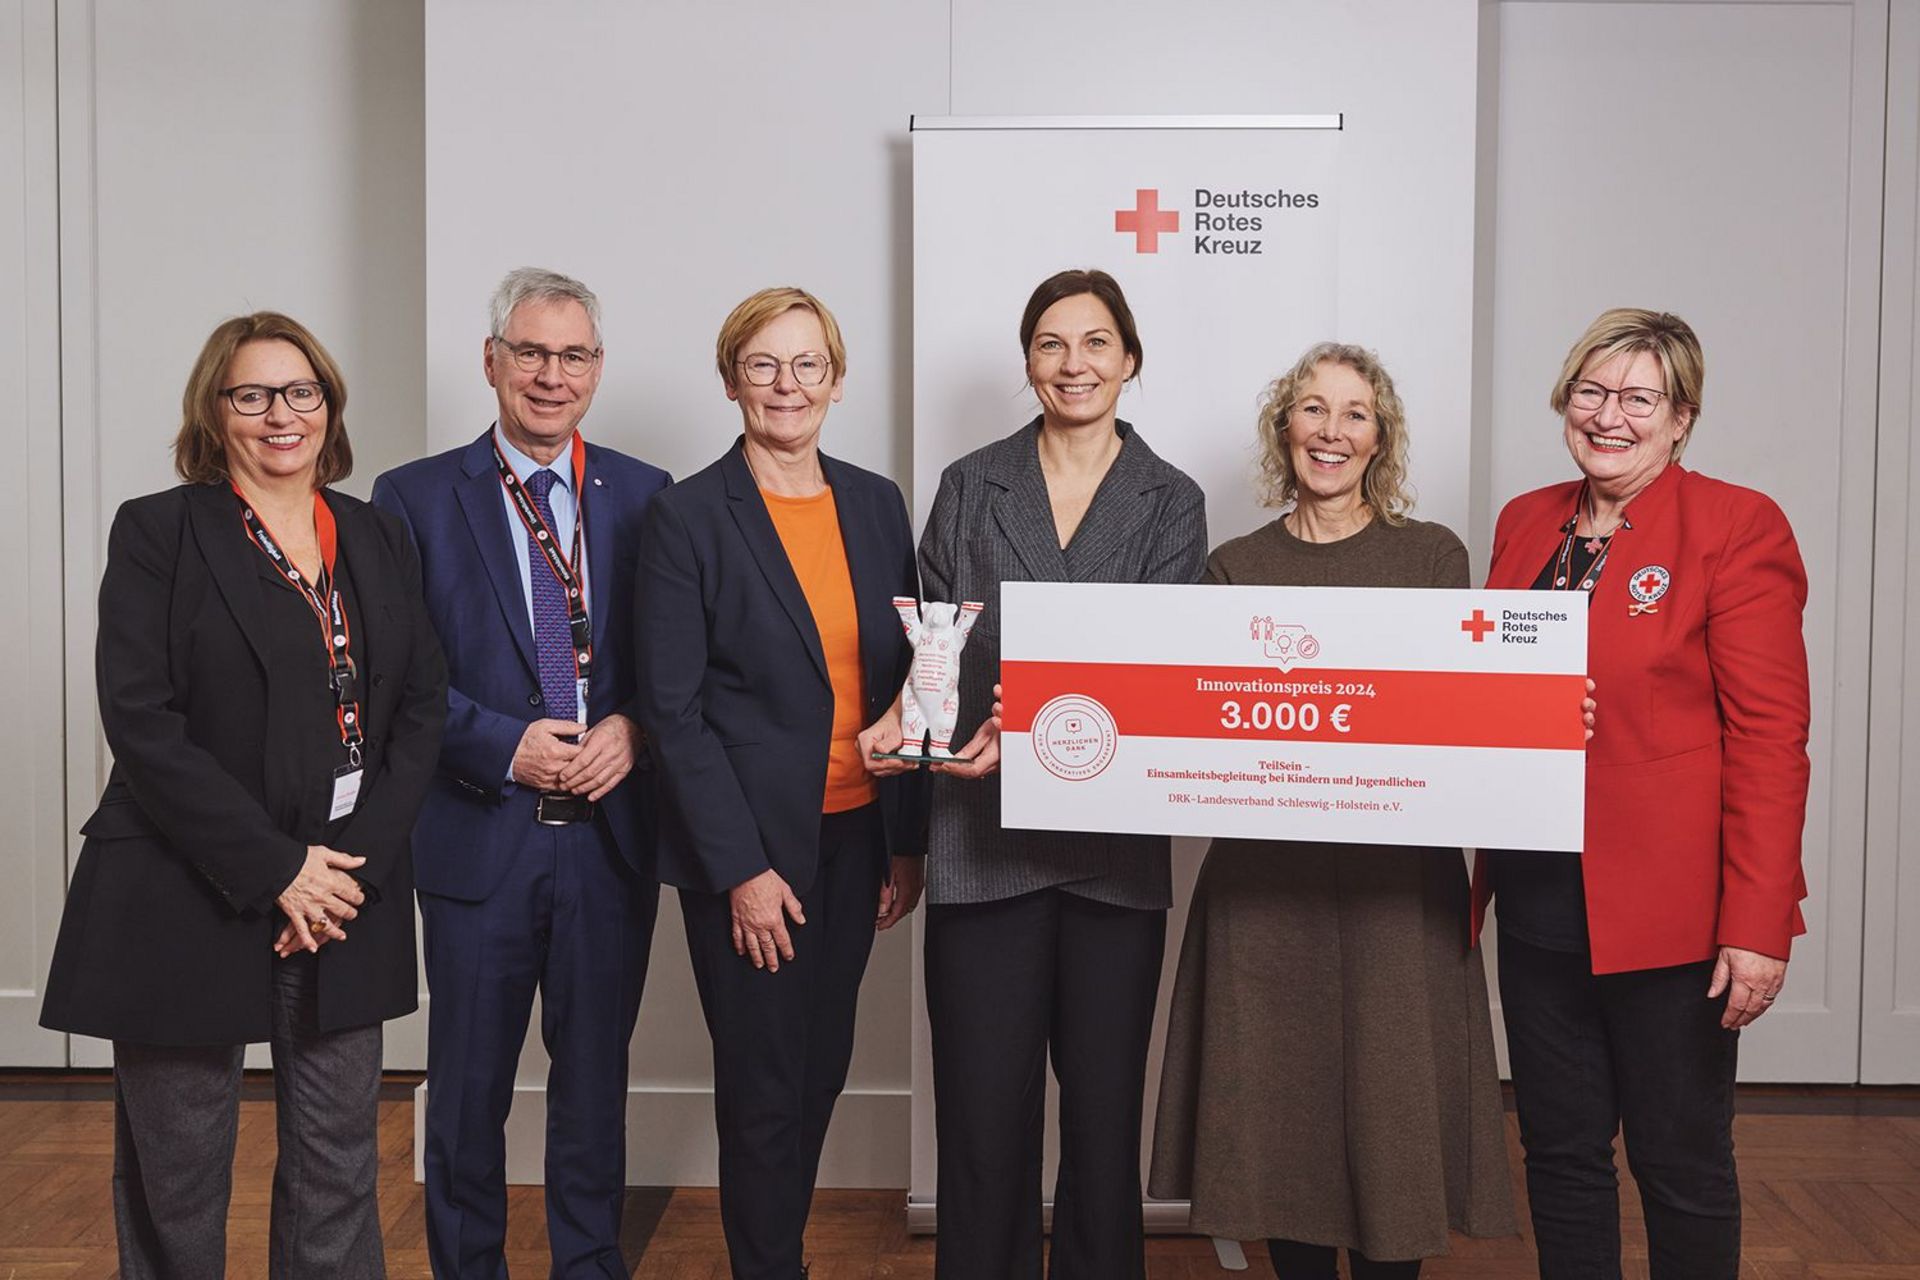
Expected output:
(565, 569)
(323, 598)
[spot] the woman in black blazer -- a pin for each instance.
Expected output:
(768, 643)
(273, 694)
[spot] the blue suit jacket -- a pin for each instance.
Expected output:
(473, 821)
(735, 696)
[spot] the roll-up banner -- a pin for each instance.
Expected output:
(1223, 233)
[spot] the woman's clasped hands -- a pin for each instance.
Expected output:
(321, 898)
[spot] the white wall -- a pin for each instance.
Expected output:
(1655, 155)
(219, 157)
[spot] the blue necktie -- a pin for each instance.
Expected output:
(552, 638)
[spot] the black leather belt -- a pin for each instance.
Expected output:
(562, 808)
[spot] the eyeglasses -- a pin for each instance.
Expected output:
(810, 369)
(1635, 402)
(251, 399)
(529, 357)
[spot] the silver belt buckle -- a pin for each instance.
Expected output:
(561, 808)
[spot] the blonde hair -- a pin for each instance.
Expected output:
(1663, 335)
(761, 310)
(200, 447)
(1384, 487)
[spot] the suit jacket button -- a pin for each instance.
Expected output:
(533, 699)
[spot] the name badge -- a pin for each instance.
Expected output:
(346, 791)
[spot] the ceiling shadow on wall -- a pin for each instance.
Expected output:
(386, 119)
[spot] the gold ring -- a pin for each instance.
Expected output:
(319, 924)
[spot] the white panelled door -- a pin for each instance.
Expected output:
(1890, 994)
(33, 852)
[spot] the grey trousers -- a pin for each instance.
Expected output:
(175, 1117)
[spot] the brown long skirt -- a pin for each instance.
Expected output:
(1329, 1074)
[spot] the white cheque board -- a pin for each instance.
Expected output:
(1300, 713)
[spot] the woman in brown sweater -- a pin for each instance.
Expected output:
(1329, 1078)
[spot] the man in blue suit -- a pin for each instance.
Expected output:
(533, 853)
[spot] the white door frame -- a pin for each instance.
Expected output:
(1890, 996)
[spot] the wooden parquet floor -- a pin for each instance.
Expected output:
(1832, 1186)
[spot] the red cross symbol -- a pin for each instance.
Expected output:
(1478, 624)
(1146, 220)
(1650, 583)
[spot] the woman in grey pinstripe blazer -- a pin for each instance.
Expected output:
(1044, 941)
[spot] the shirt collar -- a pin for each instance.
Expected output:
(523, 466)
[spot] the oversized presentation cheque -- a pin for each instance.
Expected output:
(1295, 713)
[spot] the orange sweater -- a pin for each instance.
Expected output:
(809, 530)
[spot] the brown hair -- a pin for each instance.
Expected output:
(1384, 486)
(1071, 284)
(1663, 335)
(200, 449)
(761, 310)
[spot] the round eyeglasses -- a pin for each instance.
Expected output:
(1635, 402)
(810, 369)
(530, 357)
(251, 399)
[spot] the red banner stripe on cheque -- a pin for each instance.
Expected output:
(1420, 708)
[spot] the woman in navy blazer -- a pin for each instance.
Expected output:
(768, 644)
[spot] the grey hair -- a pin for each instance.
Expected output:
(536, 284)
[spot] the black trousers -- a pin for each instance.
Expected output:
(1007, 982)
(1643, 1053)
(1293, 1260)
(782, 1042)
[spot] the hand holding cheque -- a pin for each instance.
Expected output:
(1394, 716)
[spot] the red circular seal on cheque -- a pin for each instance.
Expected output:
(1074, 737)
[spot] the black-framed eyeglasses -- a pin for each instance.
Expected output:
(810, 369)
(531, 357)
(251, 399)
(1635, 402)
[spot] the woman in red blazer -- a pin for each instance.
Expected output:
(1626, 974)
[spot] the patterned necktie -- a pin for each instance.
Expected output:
(552, 639)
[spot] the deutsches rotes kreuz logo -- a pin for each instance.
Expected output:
(1647, 586)
(1224, 222)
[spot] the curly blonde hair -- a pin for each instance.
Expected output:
(1384, 487)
